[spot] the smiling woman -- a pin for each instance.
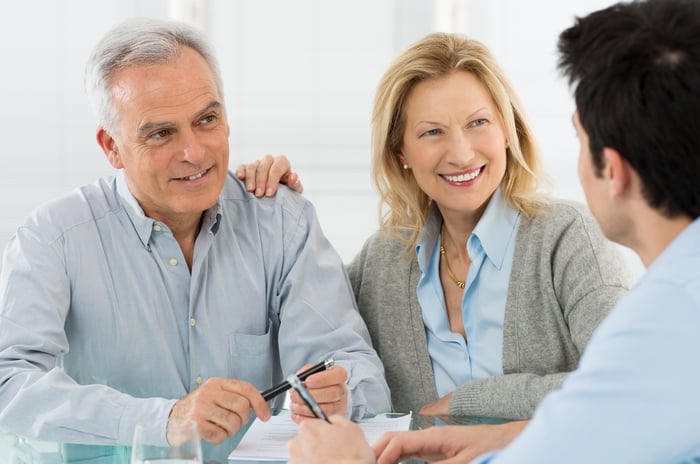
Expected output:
(455, 145)
(480, 293)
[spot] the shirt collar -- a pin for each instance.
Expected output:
(496, 228)
(680, 248)
(492, 233)
(143, 225)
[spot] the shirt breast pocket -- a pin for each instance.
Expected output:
(254, 358)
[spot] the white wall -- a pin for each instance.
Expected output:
(299, 79)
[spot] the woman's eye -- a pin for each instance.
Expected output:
(432, 132)
(479, 122)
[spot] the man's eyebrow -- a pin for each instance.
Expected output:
(154, 126)
(215, 105)
(149, 127)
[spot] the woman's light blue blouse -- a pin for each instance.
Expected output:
(491, 247)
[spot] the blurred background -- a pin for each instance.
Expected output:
(299, 79)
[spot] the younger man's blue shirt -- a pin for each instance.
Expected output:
(636, 395)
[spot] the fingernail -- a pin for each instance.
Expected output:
(269, 192)
(258, 192)
(249, 186)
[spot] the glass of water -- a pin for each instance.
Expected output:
(182, 446)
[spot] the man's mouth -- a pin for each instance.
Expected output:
(193, 176)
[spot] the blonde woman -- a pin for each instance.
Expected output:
(480, 292)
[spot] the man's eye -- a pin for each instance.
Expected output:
(207, 119)
(160, 134)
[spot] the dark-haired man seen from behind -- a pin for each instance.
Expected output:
(635, 72)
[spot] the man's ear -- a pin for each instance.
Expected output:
(617, 171)
(109, 147)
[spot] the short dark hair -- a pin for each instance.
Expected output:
(635, 71)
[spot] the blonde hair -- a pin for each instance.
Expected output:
(403, 205)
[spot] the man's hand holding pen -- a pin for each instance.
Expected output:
(328, 388)
(221, 407)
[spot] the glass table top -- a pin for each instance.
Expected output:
(17, 450)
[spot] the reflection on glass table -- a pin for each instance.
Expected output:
(15, 450)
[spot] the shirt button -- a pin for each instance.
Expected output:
(173, 262)
(198, 380)
(157, 228)
(193, 321)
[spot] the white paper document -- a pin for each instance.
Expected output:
(267, 441)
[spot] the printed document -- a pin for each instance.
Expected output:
(267, 441)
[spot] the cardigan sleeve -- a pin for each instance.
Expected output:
(565, 280)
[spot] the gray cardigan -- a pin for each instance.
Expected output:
(565, 278)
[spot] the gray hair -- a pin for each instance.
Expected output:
(139, 41)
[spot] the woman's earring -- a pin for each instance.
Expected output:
(405, 166)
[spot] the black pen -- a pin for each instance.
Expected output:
(284, 386)
(306, 396)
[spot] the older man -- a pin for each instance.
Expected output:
(168, 290)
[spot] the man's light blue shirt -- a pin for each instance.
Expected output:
(91, 278)
(634, 397)
(490, 247)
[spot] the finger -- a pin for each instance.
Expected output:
(329, 408)
(336, 375)
(251, 171)
(278, 173)
(291, 180)
(294, 182)
(330, 394)
(303, 368)
(396, 446)
(460, 458)
(240, 171)
(212, 432)
(214, 422)
(262, 174)
(252, 399)
(330, 390)
(298, 407)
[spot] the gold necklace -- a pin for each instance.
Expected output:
(459, 283)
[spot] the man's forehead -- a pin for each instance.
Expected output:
(183, 72)
(162, 92)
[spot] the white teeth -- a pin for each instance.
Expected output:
(463, 177)
(196, 176)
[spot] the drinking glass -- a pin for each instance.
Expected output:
(185, 446)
